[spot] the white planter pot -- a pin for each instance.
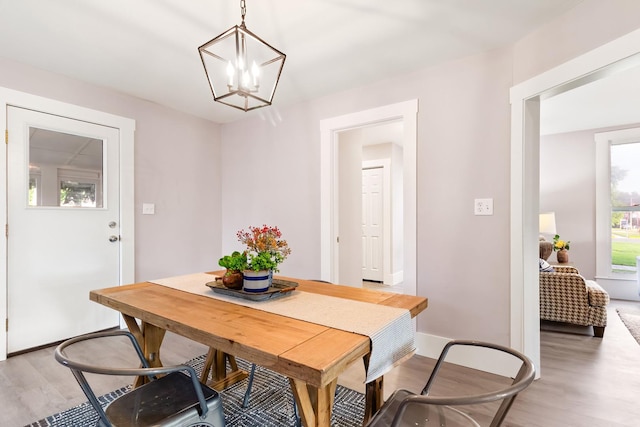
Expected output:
(256, 281)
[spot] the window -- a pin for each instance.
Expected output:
(65, 170)
(618, 203)
(34, 194)
(625, 206)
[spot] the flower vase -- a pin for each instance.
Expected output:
(257, 281)
(563, 256)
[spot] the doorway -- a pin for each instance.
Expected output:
(335, 197)
(370, 188)
(615, 56)
(63, 214)
(69, 226)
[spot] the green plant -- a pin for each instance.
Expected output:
(559, 245)
(264, 261)
(235, 262)
(624, 253)
(265, 247)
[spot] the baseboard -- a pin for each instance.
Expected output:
(394, 278)
(431, 346)
(620, 289)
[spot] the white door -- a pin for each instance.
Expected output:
(372, 217)
(63, 226)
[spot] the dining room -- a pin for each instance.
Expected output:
(191, 172)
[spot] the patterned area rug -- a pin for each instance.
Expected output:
(270, 404)
(632, 322)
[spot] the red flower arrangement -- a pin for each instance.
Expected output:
(265, 247)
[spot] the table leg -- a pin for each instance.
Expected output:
(374, 395)
(150, 339)
(216, 365)
(314, 404)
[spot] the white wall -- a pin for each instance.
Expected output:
(350, 207)
(177, 160)
(258, 171)
(463, 153)
(590, 24)
(567, 187)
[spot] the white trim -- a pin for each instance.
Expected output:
(603, 204)
(612, 57)
(397, 278)
(406, 111)
(625, 289)
(126, 126)
(431, 346)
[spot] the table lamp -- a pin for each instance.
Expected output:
(546, 228)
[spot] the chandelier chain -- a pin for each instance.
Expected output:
(243, 9)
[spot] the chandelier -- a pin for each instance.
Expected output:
(242, 69)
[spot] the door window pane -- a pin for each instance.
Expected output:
(65, 170)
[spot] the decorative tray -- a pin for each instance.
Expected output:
(278, 288)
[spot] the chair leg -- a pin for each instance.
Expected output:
(245, 401)
(298, 420)
(247, 395)
(598, 331)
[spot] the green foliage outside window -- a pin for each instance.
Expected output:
(624, 253)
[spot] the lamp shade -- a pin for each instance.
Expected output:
(547, 223)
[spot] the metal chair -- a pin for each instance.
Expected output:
(247, 393)
(404, 408)
(175, 399)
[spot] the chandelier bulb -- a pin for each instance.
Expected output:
(230, 73)
(255, 71)
(246, 79)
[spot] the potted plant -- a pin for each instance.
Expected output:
(265, 250)
(235, 264)
(562, 247)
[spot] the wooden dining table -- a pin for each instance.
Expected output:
(312, 356)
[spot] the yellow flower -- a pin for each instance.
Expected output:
(559, 245)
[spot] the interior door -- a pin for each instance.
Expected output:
(372, 218)
(63, 226)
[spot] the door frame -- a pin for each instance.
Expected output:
(617, 55)
(329, 128)
(126, 127)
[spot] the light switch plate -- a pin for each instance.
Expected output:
(483, 207)
(148, 209)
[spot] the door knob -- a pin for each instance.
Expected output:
(112, 224)
(113, 238)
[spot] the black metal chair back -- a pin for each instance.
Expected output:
(172, 397)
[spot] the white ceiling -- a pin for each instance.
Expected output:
(47, 147)
(148, 48)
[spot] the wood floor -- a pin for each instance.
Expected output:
(586, 381)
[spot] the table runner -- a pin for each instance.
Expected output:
(389, 328)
